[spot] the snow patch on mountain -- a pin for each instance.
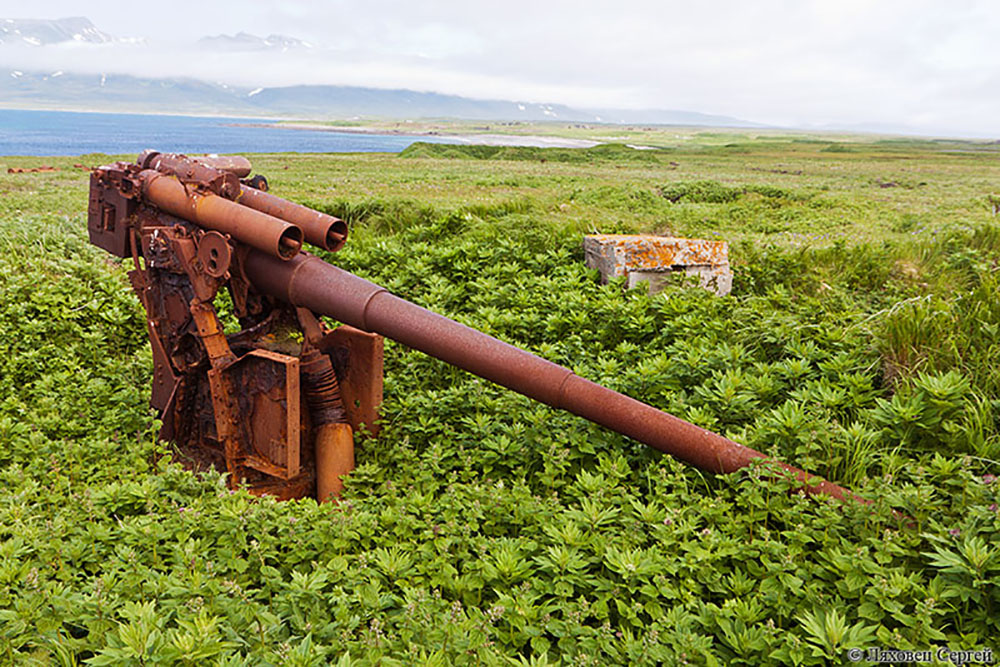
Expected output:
(42, 32)
(244, 41)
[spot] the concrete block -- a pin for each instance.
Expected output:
(654, 258)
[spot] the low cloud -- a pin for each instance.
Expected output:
(254, 69)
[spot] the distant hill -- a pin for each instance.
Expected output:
(115, 92)
(670, 117)
(348, 101)
(90, 92)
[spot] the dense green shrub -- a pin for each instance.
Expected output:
(700, 192)
(609, 152)
(481, 527)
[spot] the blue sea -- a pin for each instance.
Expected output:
(25, 132)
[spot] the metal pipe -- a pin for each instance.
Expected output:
(309, 282)
(235, 164)
(278, 238)
(321, 230)
(334, 440)
(334, 449)
(189, 170)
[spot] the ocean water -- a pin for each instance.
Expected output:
(50, 133)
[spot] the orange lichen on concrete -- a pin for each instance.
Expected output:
(659, 253)
(642, 258)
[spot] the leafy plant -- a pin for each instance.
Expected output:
(481, 527)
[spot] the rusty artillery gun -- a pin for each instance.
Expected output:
(276, 403)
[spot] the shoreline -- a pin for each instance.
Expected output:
(534, 140)
(277, 121)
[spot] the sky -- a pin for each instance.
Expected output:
(927, 66)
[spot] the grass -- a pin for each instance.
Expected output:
(859, 343)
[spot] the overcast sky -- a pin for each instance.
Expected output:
(933, 66)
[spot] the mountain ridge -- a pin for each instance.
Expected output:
(245, 41)
(119, 92)
(42, 32)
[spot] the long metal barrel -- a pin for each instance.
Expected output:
(264, 232)
(309, 282)
(321, 230)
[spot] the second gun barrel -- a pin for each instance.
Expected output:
(276, 237)
(320, 229)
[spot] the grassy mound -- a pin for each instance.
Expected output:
(603, 152)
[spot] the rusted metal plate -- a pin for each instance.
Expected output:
(265, 389)
(357, 357)
(107, 214)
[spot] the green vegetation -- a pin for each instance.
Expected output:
(481, 528)
(617, 153)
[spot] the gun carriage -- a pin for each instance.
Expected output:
(276, 403)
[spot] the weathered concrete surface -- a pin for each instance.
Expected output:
(653, 258)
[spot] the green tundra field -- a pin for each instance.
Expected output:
(861, 342)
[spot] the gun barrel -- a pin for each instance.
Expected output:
(321, 230)
(309, 282)
(271, 235)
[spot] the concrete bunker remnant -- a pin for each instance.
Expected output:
(654, 258)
